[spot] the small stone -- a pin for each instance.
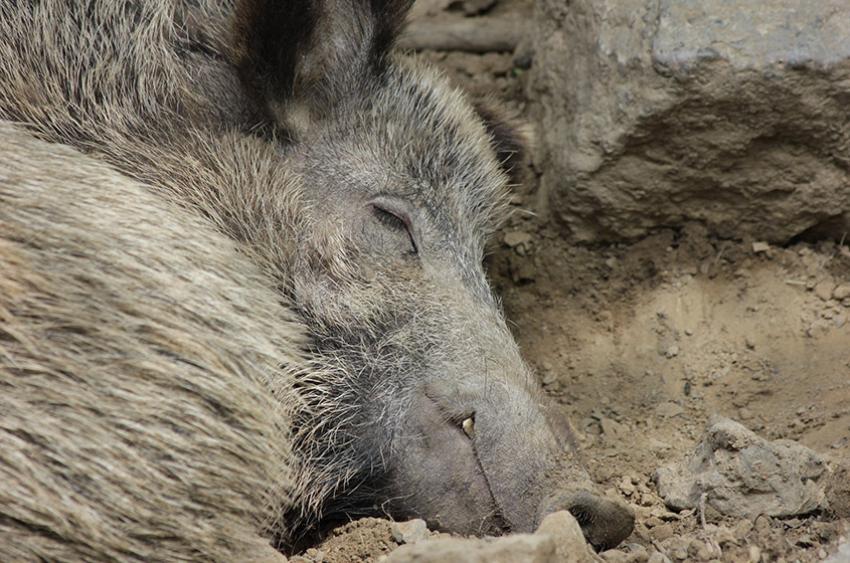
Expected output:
(516, 238)
(672, 351)
(669, 409)
(841, 292)
(615, 556)
(679, 552)
(662, 532)
(824, 289)
(626, 486)
(760, 247)
(657, 558)
(700, 551)
(723, 535)
(411, 531)
(754, 554)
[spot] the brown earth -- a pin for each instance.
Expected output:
(642, 343)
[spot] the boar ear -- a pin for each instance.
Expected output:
(508, 136)
(302, 58)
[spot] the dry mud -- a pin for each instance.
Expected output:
(642, 343)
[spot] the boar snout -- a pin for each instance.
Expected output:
(495, 461)
(605, 523)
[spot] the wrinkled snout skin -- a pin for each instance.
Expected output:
(480, 451)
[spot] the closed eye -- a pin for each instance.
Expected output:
(395, 220)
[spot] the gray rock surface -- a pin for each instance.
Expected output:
(744, 475)
(411, 531)
(729, 112)
(557, 540)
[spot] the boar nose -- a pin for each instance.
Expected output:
(605, 523)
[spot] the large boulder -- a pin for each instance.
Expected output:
(733, 113)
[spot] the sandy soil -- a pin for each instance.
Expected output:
(640, 343)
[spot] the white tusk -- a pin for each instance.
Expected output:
(469, 427)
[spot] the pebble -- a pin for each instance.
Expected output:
(754, 554)
(672, 351)
(723, 535)
(626, 486)
(411, 531)
(662, 532)
(841, 291)
(516, 238)
(760, 247)
(824, 289)
(669, 409)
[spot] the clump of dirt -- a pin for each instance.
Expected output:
(642, 343)
(366, 539)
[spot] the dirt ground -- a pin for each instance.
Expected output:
(642, 342)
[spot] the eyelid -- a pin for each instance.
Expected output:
(397, 210)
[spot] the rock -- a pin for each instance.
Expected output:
(557, 540)
(516, 547)
(744, 475)
(669, 409)
(516, 238)
(570, 546)
(662, 532)
(841, 292)
(754, 554)
(838, 491)
(824, 290)
(760, 247)
(659, 112)
(411, 531)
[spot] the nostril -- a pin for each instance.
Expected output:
(605, 523)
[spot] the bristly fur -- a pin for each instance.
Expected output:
(149, 268)
(509, 136)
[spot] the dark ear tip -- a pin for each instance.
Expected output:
(510, 135)
(390, 17)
